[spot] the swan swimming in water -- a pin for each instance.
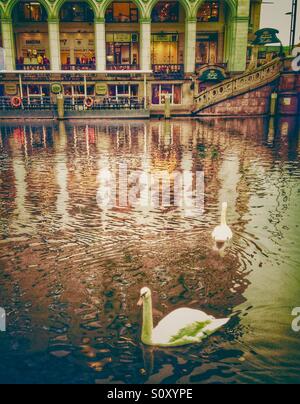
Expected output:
(222, 233)
(181, 327)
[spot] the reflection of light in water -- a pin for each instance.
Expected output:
(22, 213)
(271, 132)
(61, 169)
(44, 136)
(284, 128)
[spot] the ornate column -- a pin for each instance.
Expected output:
(145, 44)
(190, 45)
(54, 44)
(100, 44)
(239, 43)
(8, 43)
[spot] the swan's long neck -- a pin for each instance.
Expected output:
(147, 321)
(223, 215)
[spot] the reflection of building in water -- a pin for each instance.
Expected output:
(62, 175)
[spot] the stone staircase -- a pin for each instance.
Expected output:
(238, 85)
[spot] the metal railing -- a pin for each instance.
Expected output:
(85, 66)
(168, 71)
(76, 103)
(238, 85)
(28, 103)
(122, 67)
(23, 66)
(108, 103)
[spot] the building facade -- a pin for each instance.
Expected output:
(169, 41)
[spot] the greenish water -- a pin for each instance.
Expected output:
(71, 271)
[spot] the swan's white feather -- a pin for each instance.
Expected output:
(174, 322)
(222, 233)
(214, 325)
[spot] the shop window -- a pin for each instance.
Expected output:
(76, 12)
(207, 48)
(29, 12)
(209, 11)
(34, 91)
(164, 48)
(166, 12)
(122, 49)
(122, 12)
(123, 91)
(74, 91)
(159, 92)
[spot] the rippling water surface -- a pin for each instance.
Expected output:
(71, 269)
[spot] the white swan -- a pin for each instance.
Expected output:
(222, 233)
(181, 327)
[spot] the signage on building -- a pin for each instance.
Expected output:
(78, 44)
(33, 41)
(100, 89)
(56, 88)
(212, 75)
(122, 37)
(165, 38)
(206, 37)
(266, 36)
(10, 89)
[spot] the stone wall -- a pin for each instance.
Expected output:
(289, 94)
(252, 103)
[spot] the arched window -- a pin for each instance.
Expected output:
(122, 12)
(209, 11)
(76, 12)
(166, 11)
(29, 12)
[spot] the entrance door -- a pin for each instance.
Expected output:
(207, 49)
(123, 54)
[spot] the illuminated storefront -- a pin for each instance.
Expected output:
(167, 39)
(207, 48)
(122, 36)
(211, 32)
(77, 38)
(31, 36)
(122, 50)
(165, 49)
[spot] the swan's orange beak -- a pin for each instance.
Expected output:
(140, 302)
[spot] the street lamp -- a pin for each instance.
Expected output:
(293, 15)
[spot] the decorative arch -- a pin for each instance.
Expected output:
(60, 3)
(186, 4)
(104, 5)
(12, 3)
(232, 4)
(1, 11)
